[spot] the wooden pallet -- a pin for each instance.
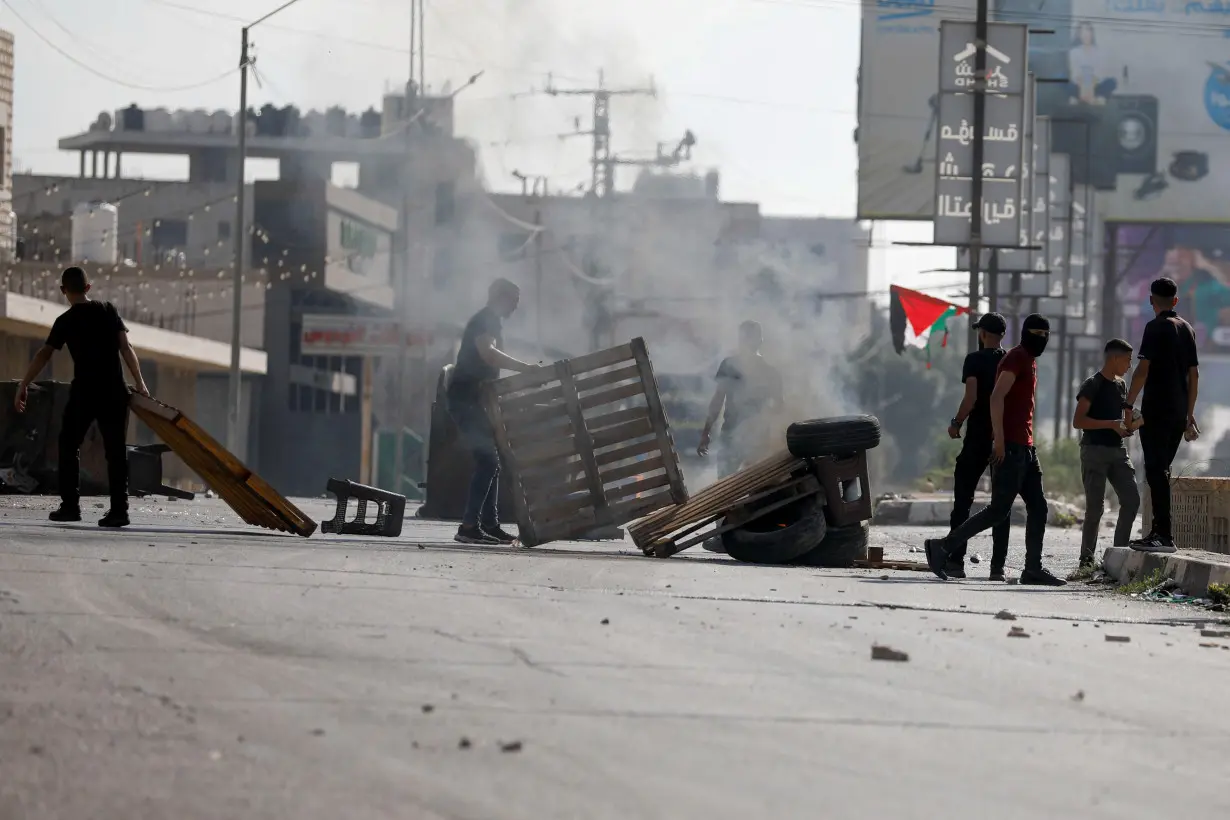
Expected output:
(668, 531)
(586, 443)
(247, 494)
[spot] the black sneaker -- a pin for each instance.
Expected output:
(114, 520)
(1041, 578)
(473, 535)
(65, 514)
(997, 574)
(1154, 543)
(955, 568)
(937, 557)
(499, 534)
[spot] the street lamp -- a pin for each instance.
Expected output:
(241, 239)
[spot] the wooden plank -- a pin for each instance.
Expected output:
(145, 405)
(293, 515)
(584, 442)
(595, 423)
(645, 467)
(634, 507)
(549, 451)
(549, 508)
(611, 396)
(560, 478)
(623, 491)
(623, 374)
(679, 489)
(524, 381)
(807, 486)
(602, 358)
(535, 416)
(543, 470)
(624, 453)
(540, 435)
(621, 433)
(540, 399)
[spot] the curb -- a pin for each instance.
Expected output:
(1192, 570)
(936, 512)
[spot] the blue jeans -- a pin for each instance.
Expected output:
(482, 502)
(1019, 474)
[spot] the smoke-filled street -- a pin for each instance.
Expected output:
(190, 668)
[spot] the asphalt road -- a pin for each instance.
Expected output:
(193, 668)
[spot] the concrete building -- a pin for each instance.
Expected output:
(7, 222)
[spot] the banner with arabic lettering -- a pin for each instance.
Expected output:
(1138, 93)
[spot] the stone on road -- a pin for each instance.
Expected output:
(195, 668)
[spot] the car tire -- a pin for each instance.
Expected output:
(841, 547)
(779, 544)
(833, 436)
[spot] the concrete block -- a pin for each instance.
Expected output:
(1192, 570)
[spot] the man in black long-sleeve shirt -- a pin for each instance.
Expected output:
(1169, 374)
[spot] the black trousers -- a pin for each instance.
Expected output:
(1159, 440)
(110, 409)
(972, 462)
(1019, 474)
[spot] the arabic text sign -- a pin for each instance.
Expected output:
(1002, 136)
(1006, 71)
(331, 335)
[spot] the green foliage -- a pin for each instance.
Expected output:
(1219, 594)
(1136, 587)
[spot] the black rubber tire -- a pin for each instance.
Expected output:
(841, 547)
(781, 545)
(833, 437)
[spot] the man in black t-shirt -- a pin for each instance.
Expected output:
(747, 386)
(1169, 374)
(97, 340)
(1104, 455)
(479, 360)
(978, 376)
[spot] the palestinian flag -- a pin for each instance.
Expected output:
(923, 316)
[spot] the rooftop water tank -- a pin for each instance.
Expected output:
(220, 122)
(158, 121)
(95, 229)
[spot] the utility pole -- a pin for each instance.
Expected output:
(602, 182)
(980, 109)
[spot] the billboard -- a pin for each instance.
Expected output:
(327, 334)
(1197, 257)
(1138, 93)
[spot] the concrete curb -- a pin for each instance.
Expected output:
(1192, 570)
(933, 511)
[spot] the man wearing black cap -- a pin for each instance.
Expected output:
(1017, 471)
(978, 376)
(1169, 374)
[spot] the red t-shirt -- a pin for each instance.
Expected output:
(1019, 403)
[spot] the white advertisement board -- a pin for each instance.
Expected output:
(332, 335)
(1138, 92)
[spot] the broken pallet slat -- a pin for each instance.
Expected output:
(583, 441)
(254, 500)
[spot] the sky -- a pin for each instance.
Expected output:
(767, 86)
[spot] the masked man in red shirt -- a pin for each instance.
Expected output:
(1017, 471)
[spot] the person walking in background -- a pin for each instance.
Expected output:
(480, 358)
(1169, 375)
(978, 375)
(1017, 471)
(747, 386)
(1100, 405)
(97, 340)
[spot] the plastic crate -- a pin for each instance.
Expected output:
(1199, 513)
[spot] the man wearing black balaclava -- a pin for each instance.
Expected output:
(1017, 471)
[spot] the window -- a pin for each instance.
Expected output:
(169, 233)
(446, 203)
(224, 231)
(442, 266)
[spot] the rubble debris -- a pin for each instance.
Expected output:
(464, 743)
(1118, 639)
(976, 558)
(1214, 633)
(1017, 632)
(606, 621)
(428, 708)
(887, 653)
(1079, 696)
(1004, 615)
(318, 732)
(511, 747)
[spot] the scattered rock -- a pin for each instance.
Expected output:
(37, 751)
(1004, 615)
(1079, 696)
(887, 653)
(1214, 633)
(464, 743)
(975, 559)
(239, 739)
(606, 621)
(883, 577)
(318, 732)
(1118, 639)
(422, 547)
(210, 494)
(1017, 632)
(428, 708)
(215, 755)
(511, 746)
(1211, 645)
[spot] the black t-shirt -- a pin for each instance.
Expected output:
(981, 365)
(1169, 345)
(1106, 398)
(750, 385)
(471, 371)
(92, 332)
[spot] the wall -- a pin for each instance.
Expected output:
(6, 144)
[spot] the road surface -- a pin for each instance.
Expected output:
(194, 668)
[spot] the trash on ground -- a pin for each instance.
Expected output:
(1017, 632)
(1004, 615)
(1118, 639)
(887, 653)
